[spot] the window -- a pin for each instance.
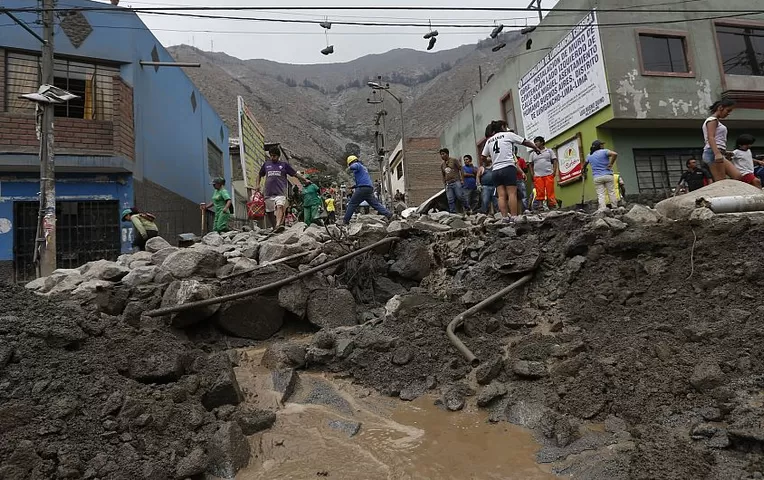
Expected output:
(399, 171)
(214, 159)
(658, 171)
(742, 49)
(508, 111)
(663, 54)
(91, 83)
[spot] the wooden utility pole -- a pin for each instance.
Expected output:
(47, 170)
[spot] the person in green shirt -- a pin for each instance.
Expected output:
(222, 204)
(144, 226)
(311, 202)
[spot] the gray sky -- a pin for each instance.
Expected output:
(292, 43)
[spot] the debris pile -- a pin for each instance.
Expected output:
(636, 341)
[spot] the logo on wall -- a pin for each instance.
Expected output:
(569, 156)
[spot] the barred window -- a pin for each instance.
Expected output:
(92, 83)
(214, 159)
(658, 171)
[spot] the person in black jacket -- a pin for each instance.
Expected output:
(693, 178)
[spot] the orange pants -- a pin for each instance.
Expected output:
(545, 189)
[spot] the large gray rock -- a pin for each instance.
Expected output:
(331, 308)
(194, 261)
(294, 298)
(413, 260)
(640, 214)
(253, 420)
(68, 284)
(157, 368)
(156, 244)
(192, 465)
(682, 206)
(257, 318)
(90, 288)
(213, 239)
(140, 276)
(367, 233)
(104, 270)
(158, 257)
(181, 292)
(430, 226)
(706, 375)
(284, 355)
(228, 451)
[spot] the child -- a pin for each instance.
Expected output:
(742, 159)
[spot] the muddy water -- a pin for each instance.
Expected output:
(396, 440)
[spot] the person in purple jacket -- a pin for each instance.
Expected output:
(276, 185)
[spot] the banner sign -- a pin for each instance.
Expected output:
(568, 85)
(251, 140)
(570, 156)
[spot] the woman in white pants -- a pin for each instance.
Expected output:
(602, 160)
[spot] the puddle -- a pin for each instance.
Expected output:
(316, 435)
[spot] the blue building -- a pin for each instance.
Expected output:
(140, 136)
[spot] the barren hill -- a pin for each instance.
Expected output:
(319, 112)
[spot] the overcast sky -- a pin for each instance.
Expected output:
(292, 43)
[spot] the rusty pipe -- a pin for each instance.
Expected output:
(270, 286)
(459, 319)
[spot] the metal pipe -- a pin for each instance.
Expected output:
(270, 286)
(732, 204)
(459, 319)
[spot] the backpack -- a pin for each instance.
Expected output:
(256, 206)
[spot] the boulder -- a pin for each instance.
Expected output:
(274, 249)
(706, 375)
(454, 398)
(682, 206)
(223, 389)
(490, 393)
(385, 289)
(181, 292)
(111, 301)
(284, 383)
(284, 355)
(331, 308)
(228, 451)
(138, 257)
(367, 233)
(294, 298)
(157, 244)
(213, 239)
(192, 465)
(253, 420)
(398, 227)
(90, 288)
(529, 370)
(413, 260)
(489, 370)
(104, 270)
(427, 225)
(257, 318)
(68, 284)
(158, 257)
(640, 214)
(186, 262)
(140, 276)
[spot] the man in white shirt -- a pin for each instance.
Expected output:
(501, 148)
(544, 170)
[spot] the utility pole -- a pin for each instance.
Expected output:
(47, 216)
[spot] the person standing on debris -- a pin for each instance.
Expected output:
(544, 171)
(693, 178)
(451, 169)
(522, 188)
(144, 226)
(330, 209)
(487, 188)
(715, 135)
(501, 148)
(222, 204)
(363, 191)
(602, 161)
(742, 158)
(311, 202)
(276, 185)
(469, 172)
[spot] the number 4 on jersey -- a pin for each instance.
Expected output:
(496, 148)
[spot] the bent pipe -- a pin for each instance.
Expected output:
(263, 288)
(459, 319)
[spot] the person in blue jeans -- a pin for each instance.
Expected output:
(487, 188)
(363, 191)
(451, 169)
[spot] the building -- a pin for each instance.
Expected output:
(423, 166)
(138, 135)
(643, 88)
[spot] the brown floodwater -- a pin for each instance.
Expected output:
(396, 441)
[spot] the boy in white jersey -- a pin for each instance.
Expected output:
(742, 159)
(501, 148)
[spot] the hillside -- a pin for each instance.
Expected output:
(319, 112)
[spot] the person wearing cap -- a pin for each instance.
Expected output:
(363, 191)
(602, 160)
(276, 185)
(222, 204)
(144, 226)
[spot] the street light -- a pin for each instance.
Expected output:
(386, 88)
